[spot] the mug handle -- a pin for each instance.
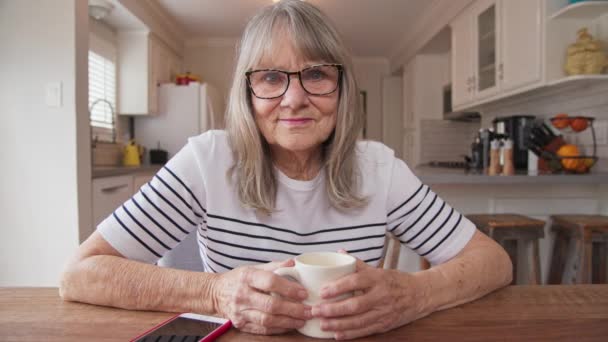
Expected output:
(290, 273)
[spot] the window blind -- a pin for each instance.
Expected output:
(102, 95)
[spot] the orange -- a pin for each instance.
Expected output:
(569, 150)
(579, 124)
(561, 121)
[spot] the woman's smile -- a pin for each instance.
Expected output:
(296, 122)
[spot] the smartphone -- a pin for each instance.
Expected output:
(186, 327)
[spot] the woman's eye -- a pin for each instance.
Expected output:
(272, 77)
(314, 75)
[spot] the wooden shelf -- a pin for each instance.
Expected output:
(587, 10)
(579, 79)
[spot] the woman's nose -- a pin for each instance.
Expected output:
(295, 96)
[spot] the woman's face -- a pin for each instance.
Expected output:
(296, 121)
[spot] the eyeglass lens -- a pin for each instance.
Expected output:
(317, 80)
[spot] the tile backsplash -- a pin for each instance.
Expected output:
(443, 140)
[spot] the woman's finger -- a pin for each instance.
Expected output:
(357, 281)
(346, 307)
(272, 321)
(278, 306)
(353, 321)
(266, 281)
(356, 333)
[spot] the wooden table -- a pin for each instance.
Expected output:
(519, 313)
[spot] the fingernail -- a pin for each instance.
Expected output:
(302, 294)
(316, 311)
(308, 313)
(324, 293)
(324, 325)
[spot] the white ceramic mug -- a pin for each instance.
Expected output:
(313, 270)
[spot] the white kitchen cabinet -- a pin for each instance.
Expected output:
(486, 48)
(496, 49)
(462, 60)
(108, 194)
(521, 44)
(143, 62)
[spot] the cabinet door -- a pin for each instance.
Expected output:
(108, 194)
(462, 55)
(486, 22)
(139, 181)
(521, 35)
(156, 72)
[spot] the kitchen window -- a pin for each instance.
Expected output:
(102, 97)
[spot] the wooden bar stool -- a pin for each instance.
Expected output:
(580, 251)
(392, 249)
(515, 233)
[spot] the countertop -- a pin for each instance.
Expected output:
(109, 171)
(432, 175)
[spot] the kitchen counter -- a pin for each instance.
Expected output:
(432, 175)
(109, 171)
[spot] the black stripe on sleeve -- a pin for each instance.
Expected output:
(144, 228)
(185, 187)
(427, 224)
(251, 247)
(419, 217)
(292, 242)
(153, 220)
(236, 257)
(445, 237)
(436, 230)
(178, 195)
(220, 264)
(373, 259)
(291, 231)
(163, 213)
(406, 201)
(135, 236)
(365, 249)
(411, 211)
(171, 204)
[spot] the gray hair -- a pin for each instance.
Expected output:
(315, 39)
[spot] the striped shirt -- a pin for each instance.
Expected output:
(193, 192)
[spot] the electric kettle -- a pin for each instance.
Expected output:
(132, 154)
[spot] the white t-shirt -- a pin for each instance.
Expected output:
(193, 191)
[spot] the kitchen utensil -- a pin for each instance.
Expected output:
(158, 156)
(132, 154)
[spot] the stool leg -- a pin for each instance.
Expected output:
(558, 260)
(535, 265)
(603, 261)
(510, 247)
(585, 249)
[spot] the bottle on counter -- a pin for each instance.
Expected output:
(507, 153)
(494, 168)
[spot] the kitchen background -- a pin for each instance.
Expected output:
(418, 62)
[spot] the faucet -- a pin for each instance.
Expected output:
(94, 143)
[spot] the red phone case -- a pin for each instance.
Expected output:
(209, 338)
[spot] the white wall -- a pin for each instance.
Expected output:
(45, 158)
(369, 74)
(214, 63)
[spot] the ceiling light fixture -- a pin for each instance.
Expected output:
(100, 9)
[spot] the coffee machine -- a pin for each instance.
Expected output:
(516, 128)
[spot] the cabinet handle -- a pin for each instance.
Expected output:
(114, 188)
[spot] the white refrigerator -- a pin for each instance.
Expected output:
(183, 111)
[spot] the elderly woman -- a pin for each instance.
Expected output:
(288, 176)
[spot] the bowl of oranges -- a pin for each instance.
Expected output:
(568, 157)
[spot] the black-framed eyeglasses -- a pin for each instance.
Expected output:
(321, 79)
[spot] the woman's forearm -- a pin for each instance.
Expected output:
(118, 282)
(475, 272)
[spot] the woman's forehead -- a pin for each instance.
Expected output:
(283, 52)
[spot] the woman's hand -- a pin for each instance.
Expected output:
(243, 296)
(384, 300)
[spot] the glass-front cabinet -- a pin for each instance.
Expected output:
(486, 63)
